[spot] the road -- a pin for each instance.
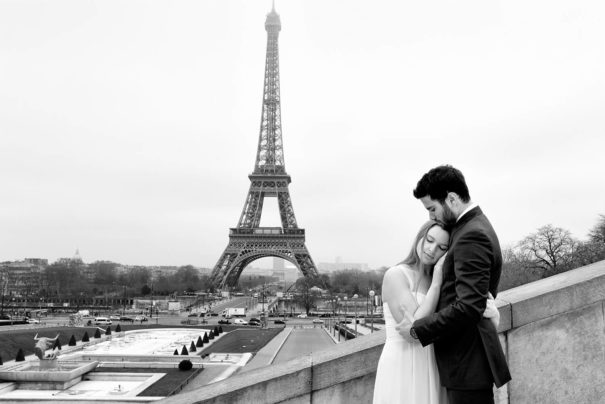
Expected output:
(303, 341)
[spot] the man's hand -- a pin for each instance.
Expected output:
(404, 326)
(491, 311)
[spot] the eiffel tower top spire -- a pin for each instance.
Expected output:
(270, 154)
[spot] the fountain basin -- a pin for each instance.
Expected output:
(39, 376)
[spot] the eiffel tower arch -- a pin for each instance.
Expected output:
(248, 241)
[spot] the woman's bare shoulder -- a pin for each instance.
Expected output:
(396, 272)
(394, 282)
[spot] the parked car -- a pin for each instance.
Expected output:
(317, 321)
(254, 321)
(192, 315)
(140, 318)
(30, 320)
(126, 318)
(302, 315)
(102, 321)
(279, 322)
(5, 317)
(114, 317)
(224, 321)
(239, 321)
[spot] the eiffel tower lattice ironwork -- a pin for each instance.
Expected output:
(248, 241)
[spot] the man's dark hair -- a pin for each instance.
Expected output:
(441, 180)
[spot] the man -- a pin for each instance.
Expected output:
(467, 350)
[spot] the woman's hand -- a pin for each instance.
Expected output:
(491, 311)
(438, 272)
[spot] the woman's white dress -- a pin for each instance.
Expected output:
(407, 372)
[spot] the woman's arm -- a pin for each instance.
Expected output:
(396, 292)
(429, 304)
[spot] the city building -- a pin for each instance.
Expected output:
(22, 278)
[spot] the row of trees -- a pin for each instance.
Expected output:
(549, 251)
(68, 279)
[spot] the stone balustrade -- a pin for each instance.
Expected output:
(552, 330)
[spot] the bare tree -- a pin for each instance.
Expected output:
(549, 249)
(593, 249)
(597, 233)
(305, 295)
(517, 269)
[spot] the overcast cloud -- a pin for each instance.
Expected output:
(128, 128)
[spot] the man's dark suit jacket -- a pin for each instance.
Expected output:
(467, 349)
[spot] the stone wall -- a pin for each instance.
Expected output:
(552, 330)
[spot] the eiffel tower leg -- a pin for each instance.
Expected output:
(305, 263)
(222, 268)
(236, 270)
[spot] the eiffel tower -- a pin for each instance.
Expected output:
(248, 241)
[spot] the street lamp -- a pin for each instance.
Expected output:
(334, 301)
(151, 306)
(355, 296)
(372, 310)
(345, 322)
(262, 315)
(339, 319)
(123, 300)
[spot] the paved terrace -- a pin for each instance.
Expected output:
(552, 330)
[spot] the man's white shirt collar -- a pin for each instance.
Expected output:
(470, 207)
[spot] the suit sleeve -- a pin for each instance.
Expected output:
(473, 257)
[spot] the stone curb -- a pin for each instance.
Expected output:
(288, 332)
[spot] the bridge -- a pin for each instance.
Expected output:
(552, 331)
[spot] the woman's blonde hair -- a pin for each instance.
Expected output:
(413, 260)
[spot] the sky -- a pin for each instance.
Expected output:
(128, 128)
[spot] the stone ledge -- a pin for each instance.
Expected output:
(554, 295)
(350, 360)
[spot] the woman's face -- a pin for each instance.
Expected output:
(434, 246)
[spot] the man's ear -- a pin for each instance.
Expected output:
(452, 198)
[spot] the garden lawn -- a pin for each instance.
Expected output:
(243, 340)
(167, 385)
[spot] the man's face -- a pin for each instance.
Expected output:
(439, 212)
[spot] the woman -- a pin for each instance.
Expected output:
(407, 372)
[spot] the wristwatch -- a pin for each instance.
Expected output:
(413, 333)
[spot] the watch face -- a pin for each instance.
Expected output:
(413, 333)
